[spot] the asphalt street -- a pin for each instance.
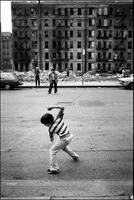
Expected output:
(101, 120)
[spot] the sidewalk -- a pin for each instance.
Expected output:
(106, 83)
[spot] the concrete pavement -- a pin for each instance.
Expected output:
(107, 168)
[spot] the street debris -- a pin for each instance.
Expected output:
(29, 76)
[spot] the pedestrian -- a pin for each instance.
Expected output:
(127, 72)
(57, 126)
(124, 72)
(53, 79)
(37, 76)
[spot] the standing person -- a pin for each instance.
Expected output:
(57, 126)
(37, 76)
(53, 79)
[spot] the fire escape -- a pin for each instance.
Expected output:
(23, 45)
(119, 37)
(61, 37)
(102, 36)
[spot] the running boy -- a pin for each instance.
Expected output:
(57, 126)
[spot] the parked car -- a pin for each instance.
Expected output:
(128, 82)
(9, 80)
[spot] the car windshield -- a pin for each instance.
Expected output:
(7, 76)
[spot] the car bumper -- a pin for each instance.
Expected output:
(124, 83)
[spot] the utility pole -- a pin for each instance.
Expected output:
(40, 48)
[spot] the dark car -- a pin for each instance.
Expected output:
(9, 80)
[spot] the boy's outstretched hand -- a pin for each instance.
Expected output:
(49, 108)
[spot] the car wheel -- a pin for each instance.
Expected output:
(7, 87)
(131, 86)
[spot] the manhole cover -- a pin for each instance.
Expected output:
(90, 103)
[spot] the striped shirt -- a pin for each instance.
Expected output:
(59, 128)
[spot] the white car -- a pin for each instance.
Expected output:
(128, 82)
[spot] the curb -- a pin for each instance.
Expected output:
(75, 86)
(68, 198)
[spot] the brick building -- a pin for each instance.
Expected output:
(6, 51)
(80, 35)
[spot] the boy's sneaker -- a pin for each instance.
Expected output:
(76, 158)
(52, 171)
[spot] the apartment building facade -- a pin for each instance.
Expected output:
(6, 51)
(79, 35)
(0, 49)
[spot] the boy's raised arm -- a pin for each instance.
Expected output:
(60, 114)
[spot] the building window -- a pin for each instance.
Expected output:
(89, 66)
(79, 11)
(54, 55)
(34, 34)
(89, 55)
(89, 44)
(46, 55)
(109, 55)
(79, 55)
(54, 33)
(54, 44)
(59, 66)
(99, 66)
(45, 12)
(90, 11)
(66, 55)
(130, 22)
(66, 44)
(78, 66)
(46, 22)
(129, 45)
(71, 66)
(71, 11)
(71, 44)
(46, 34)
(131, 11)
(71, 33)
(105, 22)
(46, 66)
(129, 56)
(129, 34)
(46, 45)
(90, 22)
(71, 55)
(111, 11)
(79, 33)
(33, 11)
(53, 22)
(117, 12)
(110, 45)
(79, 22)
(35, 55)
(71, 22)
(105, 11)
(99, 11)
(59, 11)
(34, 44)
(33, 22)
(78, 44)
(15, 44)
(66, 11)
(104, 66)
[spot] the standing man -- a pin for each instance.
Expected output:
(37, 76)
(53, 79)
